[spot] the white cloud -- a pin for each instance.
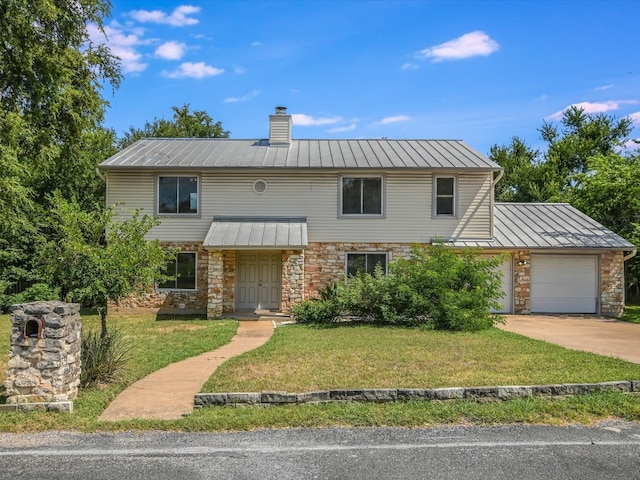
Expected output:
(593, 107)
(635, 117)
(347, 128)
(603, 87)
(178, 18)
(243, 98)
(194, 70)
(256, 44)
(468, 45)
(632, 144)
(122, 44)
(302, 120)
(395, 119)
(409, 66)
(171, 50)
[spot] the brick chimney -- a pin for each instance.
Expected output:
(280, 128)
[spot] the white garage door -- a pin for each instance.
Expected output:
(564, 283)
(507, 287)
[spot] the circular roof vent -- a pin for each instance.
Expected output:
(260, 186)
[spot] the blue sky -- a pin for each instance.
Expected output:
(481, 71)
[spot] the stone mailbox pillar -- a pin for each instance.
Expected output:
(44, 360)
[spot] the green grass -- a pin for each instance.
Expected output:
(155, 344)
(631, 314)
(302, 358)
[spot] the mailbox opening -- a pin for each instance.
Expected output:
(33, 329)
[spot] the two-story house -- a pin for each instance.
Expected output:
(262, 224)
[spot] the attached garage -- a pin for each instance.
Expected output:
(564, 284)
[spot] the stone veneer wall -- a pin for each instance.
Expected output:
(612, 284)
(44, 360)
(187, 301)
(228, 280)
(215, 277)
(324, 262)
(522, 282)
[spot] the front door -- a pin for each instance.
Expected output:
(258, 280)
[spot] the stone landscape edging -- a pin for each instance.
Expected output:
(379, 395)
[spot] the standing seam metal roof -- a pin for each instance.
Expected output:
(158, 153)
(547, 225)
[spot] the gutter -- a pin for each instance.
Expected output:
(630, 255)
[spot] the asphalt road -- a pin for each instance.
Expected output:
(610, 450)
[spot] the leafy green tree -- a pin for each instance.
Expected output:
(536, 176)
(609, 192)
(51, 79)
(185, 124)
(93, 258)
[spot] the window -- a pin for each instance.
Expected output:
(445, 196)
(182, 270)
(177, 195)
(361, 196)
(365, 263)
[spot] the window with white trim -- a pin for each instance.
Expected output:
(182, 271)
(445, 197)
(361, 196)
(178, 195)
(364, 263)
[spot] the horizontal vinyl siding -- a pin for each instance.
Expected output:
(408, 211)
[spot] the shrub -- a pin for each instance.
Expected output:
(316, 311)
(36, 292)
(104, 357)
(434, 286)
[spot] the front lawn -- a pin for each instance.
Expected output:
(155, 344)
(301, 358)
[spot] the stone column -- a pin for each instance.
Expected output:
(215, 276)
(522, 282)
(612, 284)
(292, 287)
(44, 361)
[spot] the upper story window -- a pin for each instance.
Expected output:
(178, 195)
(361, 196)
(445, 197)
(365, 263)
(182, 272)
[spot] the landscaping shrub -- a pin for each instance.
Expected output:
(104, 357)
(36, 292)
(435, 285)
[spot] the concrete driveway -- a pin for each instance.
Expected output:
(605, 336)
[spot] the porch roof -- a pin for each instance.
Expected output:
(257, 232)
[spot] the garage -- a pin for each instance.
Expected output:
(564, 284)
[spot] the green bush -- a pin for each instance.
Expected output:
(104, 357)
(436, 285)
(36, 292)
(316, 311)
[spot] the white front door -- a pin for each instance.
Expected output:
(258, 280)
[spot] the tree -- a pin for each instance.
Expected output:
(95, 259)
(609, 192)
(535, 176)
(51, 78)
(185, 124)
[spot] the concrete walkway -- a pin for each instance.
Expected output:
(168, 393)
(605, 336)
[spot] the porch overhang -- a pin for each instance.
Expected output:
(275, 233)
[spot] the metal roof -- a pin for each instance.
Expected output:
(199, 153)
(547, 225)
(254, 232)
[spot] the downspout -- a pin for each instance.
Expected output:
(630, 255)
(100, 176)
